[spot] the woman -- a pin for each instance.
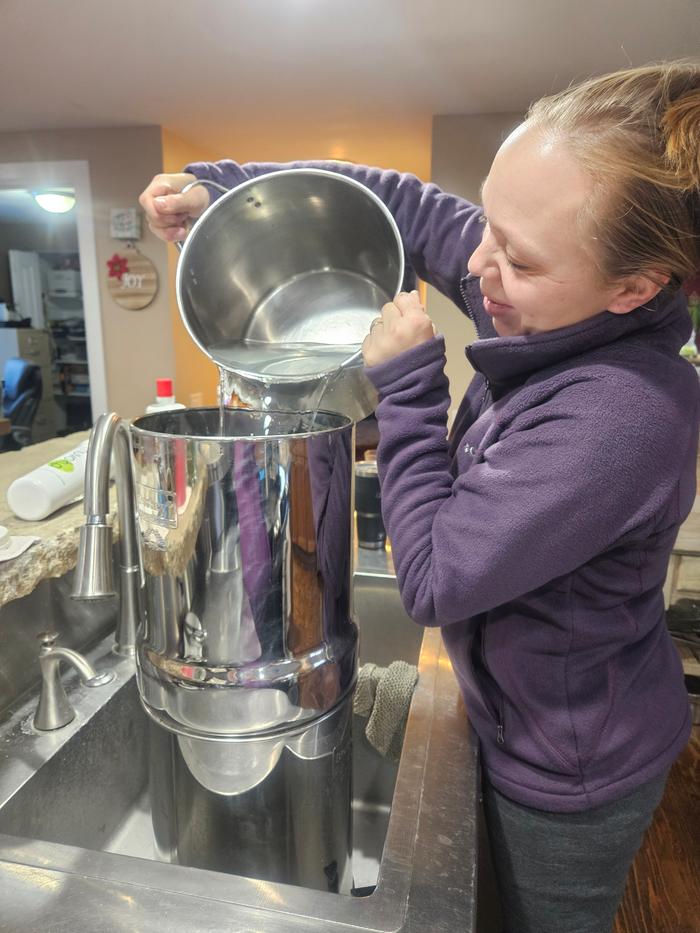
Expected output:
(538, 535)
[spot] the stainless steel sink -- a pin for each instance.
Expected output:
(93, 793)
(77, 852)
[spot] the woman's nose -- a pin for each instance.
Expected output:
(479, 259)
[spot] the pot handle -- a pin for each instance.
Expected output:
(351, 360)
(193, 184)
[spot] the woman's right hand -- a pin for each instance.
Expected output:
(167, 210)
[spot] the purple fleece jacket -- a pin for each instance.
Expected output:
(538, 536)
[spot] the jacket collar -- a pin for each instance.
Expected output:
(665, 323)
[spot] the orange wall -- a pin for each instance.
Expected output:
(401, 144)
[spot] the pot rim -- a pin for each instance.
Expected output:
(345, 422)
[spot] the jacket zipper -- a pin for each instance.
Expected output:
(470, 315)
(500, 730)
(468, 306)
(487, 389)
(498, 712)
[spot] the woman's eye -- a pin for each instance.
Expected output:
(516, 265)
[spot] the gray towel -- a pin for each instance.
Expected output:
(384, 695)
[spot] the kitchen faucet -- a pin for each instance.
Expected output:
(54, 709)
(93, 573)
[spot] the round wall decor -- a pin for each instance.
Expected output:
(132, 279)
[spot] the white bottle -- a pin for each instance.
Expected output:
(165, 400)
(49, 487)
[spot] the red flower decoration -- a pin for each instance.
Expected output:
(117, 266)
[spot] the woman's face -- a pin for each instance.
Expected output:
(536, 272)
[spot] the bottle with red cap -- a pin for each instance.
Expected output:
(165, 398)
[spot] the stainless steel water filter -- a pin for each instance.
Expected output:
(248, 652)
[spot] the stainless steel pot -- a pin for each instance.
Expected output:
(278, 282)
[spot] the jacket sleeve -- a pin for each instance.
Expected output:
(439, 231)
(564, 481)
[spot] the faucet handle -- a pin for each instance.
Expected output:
(47, 639)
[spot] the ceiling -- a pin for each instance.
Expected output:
(70, 64)
(93, 63)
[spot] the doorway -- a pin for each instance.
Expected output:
(69, 309)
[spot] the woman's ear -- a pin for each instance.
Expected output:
(637, 290)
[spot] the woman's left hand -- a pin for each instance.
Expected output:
(402, 326)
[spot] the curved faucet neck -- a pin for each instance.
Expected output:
(109, 439)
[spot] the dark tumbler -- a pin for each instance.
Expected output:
(368, 505)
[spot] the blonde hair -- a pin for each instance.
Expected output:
(637, 132)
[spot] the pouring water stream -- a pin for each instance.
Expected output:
(228, 385)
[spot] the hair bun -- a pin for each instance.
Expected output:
(681, 127)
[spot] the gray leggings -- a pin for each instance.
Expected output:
(565, 872)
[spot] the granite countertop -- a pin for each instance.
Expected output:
(56, 551)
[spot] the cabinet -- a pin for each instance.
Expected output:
(35, 346)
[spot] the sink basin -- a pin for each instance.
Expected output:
(92, 795)
(77, 851)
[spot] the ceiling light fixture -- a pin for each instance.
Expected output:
(55, 202)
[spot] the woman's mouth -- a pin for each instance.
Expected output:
(494, 308)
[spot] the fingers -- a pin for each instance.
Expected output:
(403, 324)
(408, 302)
(167, 210)
(169, 227)
(404, 303)
(184, 204)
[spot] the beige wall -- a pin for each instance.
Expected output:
(138, 344)
(462, 151)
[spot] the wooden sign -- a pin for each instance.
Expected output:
(132, 279)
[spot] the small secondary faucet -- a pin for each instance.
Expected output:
(54, 709)
(93, 573)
